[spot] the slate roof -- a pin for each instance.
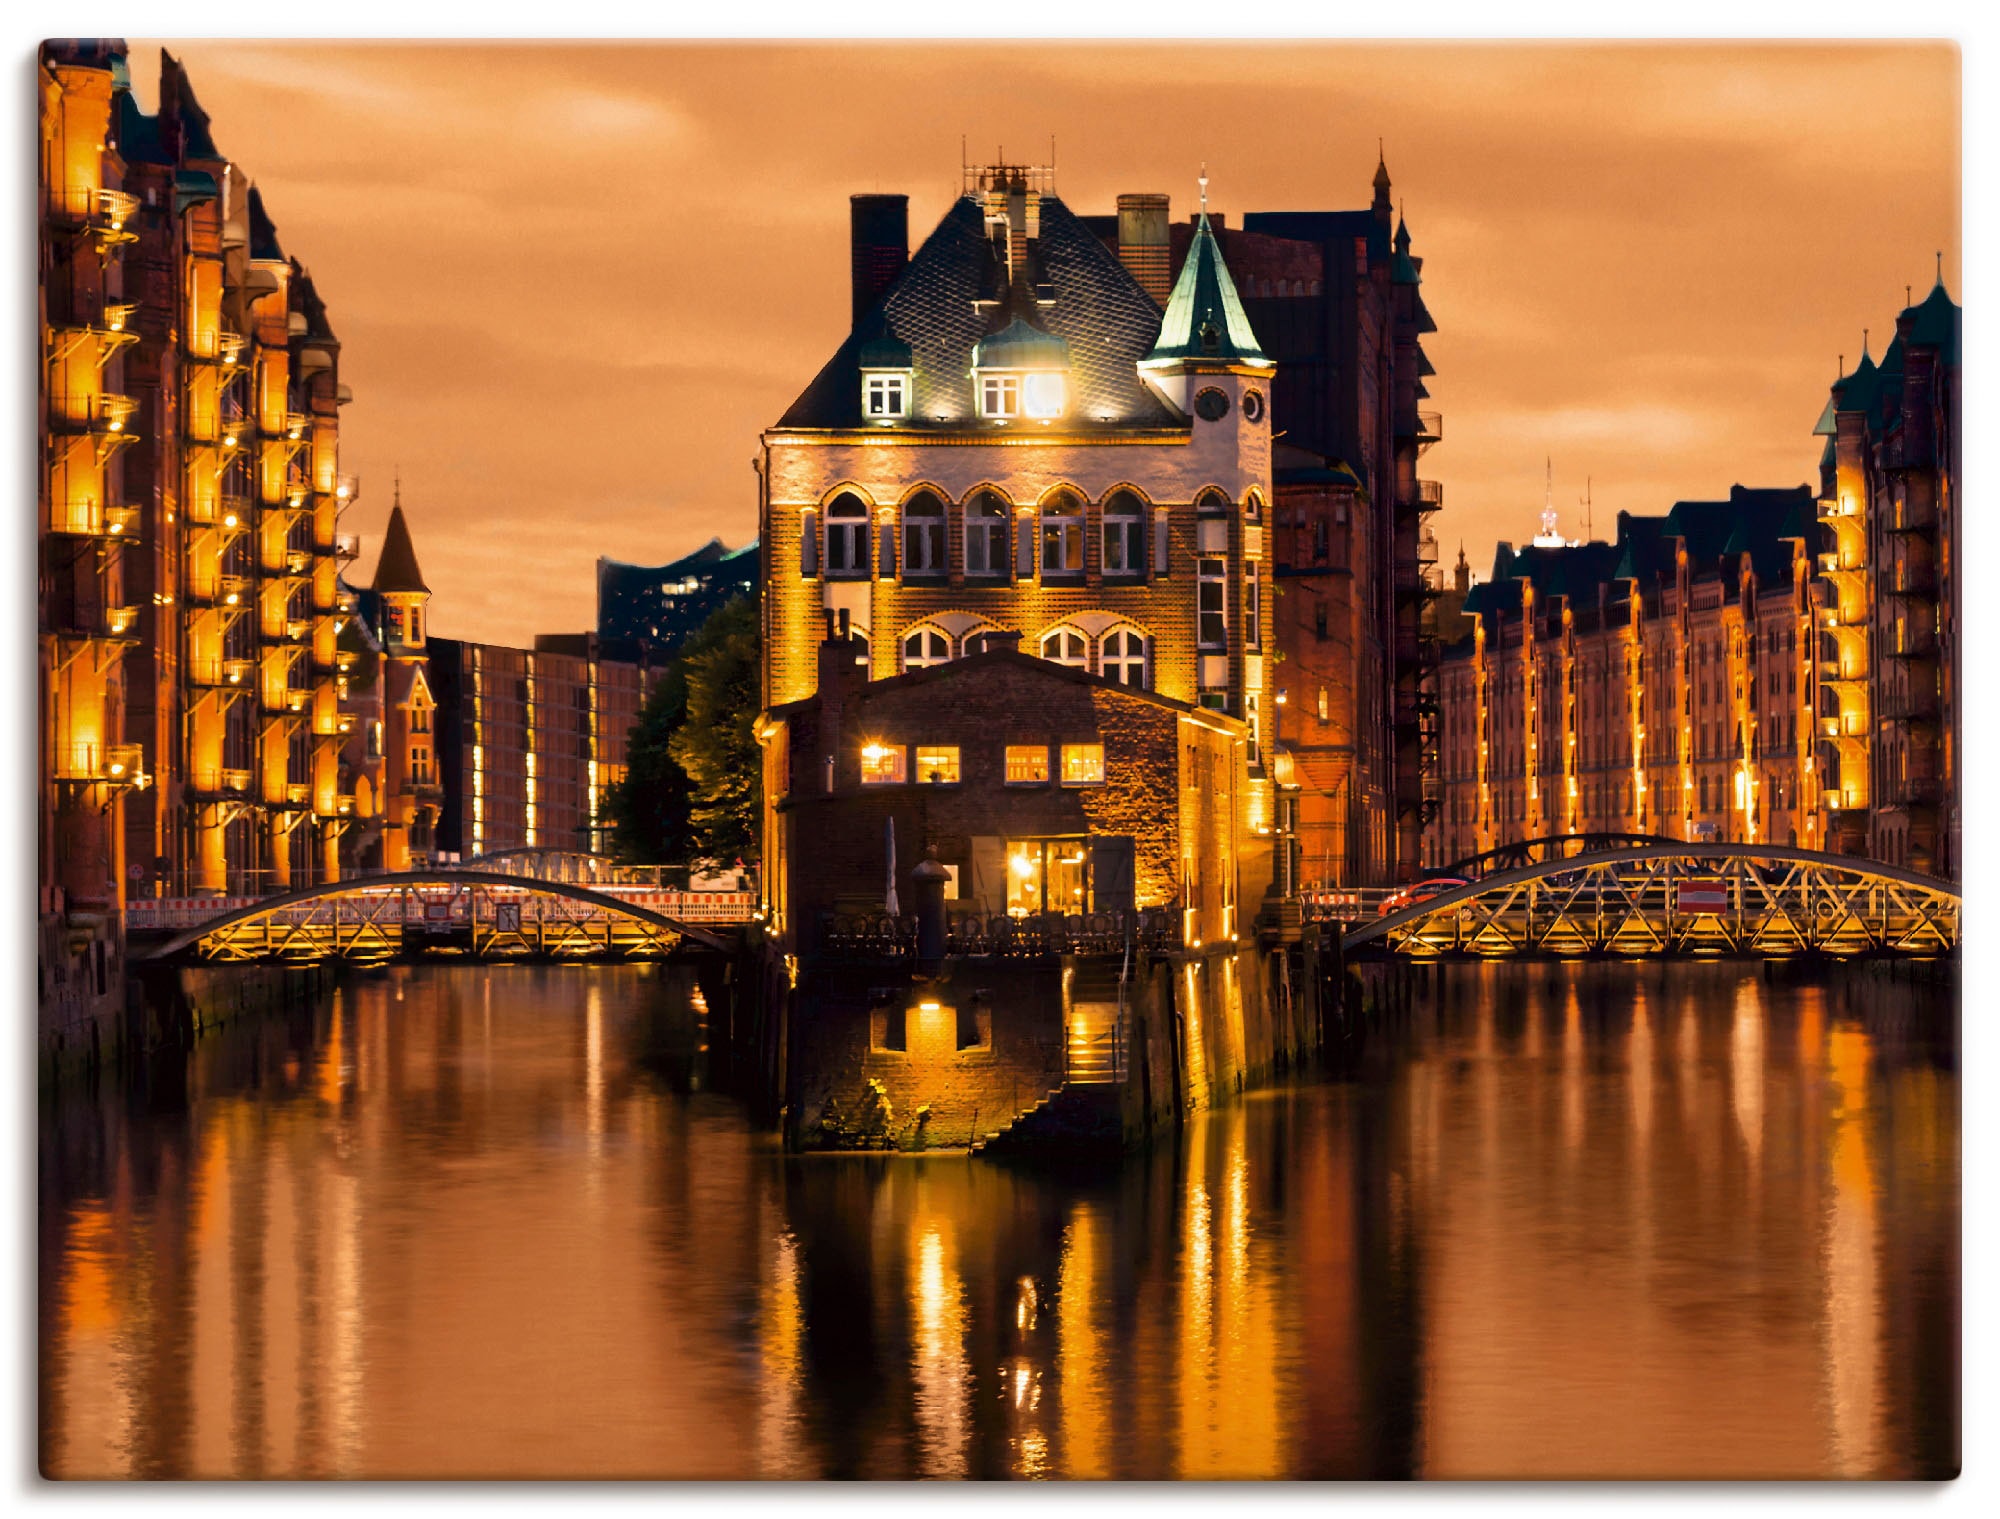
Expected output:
(397, 569)
(1108, 321)
(263, 232)
(1205, 318)
(1937, 324)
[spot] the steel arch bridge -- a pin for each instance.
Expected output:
(483, 915)
(1524, 852)
(1727, 899)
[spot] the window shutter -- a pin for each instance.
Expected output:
(1024, 547)
(1111, 872)
(1159, 540)
(886, 555)
(809, 543)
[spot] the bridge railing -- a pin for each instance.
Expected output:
(147, 914)
(877, 936)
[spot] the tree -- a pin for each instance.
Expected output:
(716, 743)
(654, 808)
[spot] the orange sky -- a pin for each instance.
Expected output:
(574, 283)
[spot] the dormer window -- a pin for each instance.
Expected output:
(1021, 371)
(1000, 395)
(885, 396)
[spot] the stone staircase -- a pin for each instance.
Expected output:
(1072, 1120)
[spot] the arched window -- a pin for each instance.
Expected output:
(1211, 503)
(1062, 534)
(923, 535)
(1253, 507)
(1122, 657)
(925, 647)
(986, 534)
(847, 538)
(1066, 646)
(1124, 534)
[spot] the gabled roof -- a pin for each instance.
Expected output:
(1205, 319)
(396, 569)
(1094, 305)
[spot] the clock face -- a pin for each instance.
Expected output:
(1211, 405)
(1253, 405)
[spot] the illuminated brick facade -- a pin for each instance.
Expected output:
(1015, 437)
(192, 453)
(1662, 684)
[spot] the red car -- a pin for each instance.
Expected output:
(1422, 891)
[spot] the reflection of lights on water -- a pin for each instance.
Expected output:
(1025, 1304)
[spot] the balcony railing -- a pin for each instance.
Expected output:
(1917, 583)
(223, 674)
(83, 520)
(1848, 725)
(347, 488)
(101, 413)
(298, 561)
(102, 764)
(101, 210)
(298, 795)
(1918, 705)
(1430, 495)
(1430, 427)
(347, 547)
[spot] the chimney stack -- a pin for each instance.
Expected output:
(1000, 641)
(879, 234)
(1143, 244)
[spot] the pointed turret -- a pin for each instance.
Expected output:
(396, 571)
(1205, 321)
(1404, 270)
(1381, 206)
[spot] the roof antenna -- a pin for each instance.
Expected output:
(1940, 266)
(398, 501)
(1588, 537)
(1204, 188)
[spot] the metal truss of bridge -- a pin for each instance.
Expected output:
(1522, 853)
(1679, 899)
(475, 915)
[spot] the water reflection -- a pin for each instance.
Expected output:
(1565, 1221)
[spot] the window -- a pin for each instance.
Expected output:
(1066, 646)
(1047, 875)
(937, 765)
(885, 396)
(1253, 603)
(924, 648)
(1000, 395)
(881, 764)
(847, 538)
(1122, 657)
(985, 534)
(1124, 534)
(923, 535)
(1062, 534)
(1027, 764)
(420, 719)
(1213, 603)
(1322, 703)
(1253, 504)
(1083, 764)
(1042, 395)
(1212, 503)
(1319, 619)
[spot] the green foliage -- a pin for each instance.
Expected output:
(693, 781)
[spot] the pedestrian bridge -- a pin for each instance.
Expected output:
(1678, 899)
(465, 914)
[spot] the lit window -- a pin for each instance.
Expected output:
(881, 764)
(926, 647)
(985, 534)
(1123, 657)
(1124, 529)
(1083, 764)
(937, 765)
(1213, 604)
(1027, 765)
(1322, 703)
(886, 396)
(1253, 604)
(1066, 646)
(1062, 535)
(1000, 395)
(1043, 395)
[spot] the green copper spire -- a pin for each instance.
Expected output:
(1205, 319)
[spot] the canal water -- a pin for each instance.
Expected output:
(1557, 1221)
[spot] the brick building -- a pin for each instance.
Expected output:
(1661, 684)
(1890, 597)
(191, 457)
(486, 747)
(1041, 787)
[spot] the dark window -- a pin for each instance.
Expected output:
(847, 538)
(1124, 534)
(923, 535)
(985, 534)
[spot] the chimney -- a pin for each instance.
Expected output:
(879, 234)
(1143, 245)
(841, 674)
(1000, 641)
